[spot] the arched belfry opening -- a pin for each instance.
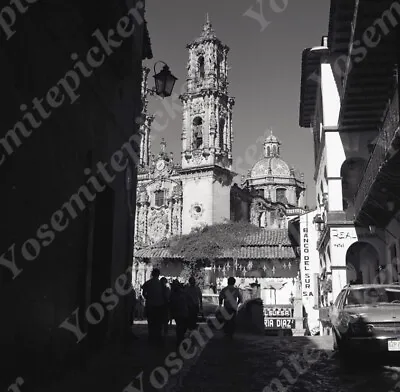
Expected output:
(197, 132)
(221, 133)
(201, 67)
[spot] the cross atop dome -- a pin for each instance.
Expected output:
(272, 146)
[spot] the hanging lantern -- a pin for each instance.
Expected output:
(236, 264)
(284, 266)
(265, 268)
(164, 81)
(273, 270)
(289, 265)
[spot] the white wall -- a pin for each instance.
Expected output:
(197, 191)
(330, 96)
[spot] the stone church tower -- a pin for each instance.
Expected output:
(206, 133)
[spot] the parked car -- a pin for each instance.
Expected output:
(210, 306)
(366, 318)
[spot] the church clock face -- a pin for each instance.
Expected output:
(160, 165)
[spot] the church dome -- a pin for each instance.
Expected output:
(271, 166)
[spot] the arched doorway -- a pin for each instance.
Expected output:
(362, 263)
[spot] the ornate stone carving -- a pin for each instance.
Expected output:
(177, 191)
(197, 107)
(158, 226)
(197, 157)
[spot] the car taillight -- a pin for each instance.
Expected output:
(369, 328)
(358, 328)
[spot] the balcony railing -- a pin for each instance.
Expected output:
(379, 153)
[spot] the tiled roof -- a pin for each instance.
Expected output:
(268, 237)
(265, 244)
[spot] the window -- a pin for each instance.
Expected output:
(339, 298)
(197, 133)
(201, 67)
(269, 151)
(281, 195)
(159, 199)
(221, 133)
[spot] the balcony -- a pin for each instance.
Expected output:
(380, 174)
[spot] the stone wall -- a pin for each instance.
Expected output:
(48, 168)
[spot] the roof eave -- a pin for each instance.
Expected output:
(310, 76)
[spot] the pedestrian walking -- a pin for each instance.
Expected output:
(230, 297)
(153, 293)
(166, 293)
(179, 310)
(132, 303)
(195, 302)
(140, 307)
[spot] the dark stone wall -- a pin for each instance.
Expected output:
(47, 168)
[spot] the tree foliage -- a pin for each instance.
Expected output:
(207, 243)
(195, 269)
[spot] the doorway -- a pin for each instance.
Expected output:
(101, 262)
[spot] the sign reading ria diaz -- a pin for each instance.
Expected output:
(278, 317)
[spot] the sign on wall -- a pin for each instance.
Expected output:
(309, 267)
(279, 317)
(279, 323)
(308, 288)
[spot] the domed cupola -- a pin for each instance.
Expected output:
(271, 165)
(272, 146)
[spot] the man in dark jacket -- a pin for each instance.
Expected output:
(230, 296)
(195, 302)
(153, 292)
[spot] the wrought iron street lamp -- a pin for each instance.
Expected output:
(319, 223)
(164, 81)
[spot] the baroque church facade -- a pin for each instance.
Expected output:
(175, 197)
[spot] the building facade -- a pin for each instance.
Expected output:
(355, 124)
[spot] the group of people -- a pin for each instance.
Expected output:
(184, 304)
(179, 302)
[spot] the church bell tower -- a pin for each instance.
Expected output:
(206, 132)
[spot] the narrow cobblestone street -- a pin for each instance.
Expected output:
(260, 363)
(246, 364)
